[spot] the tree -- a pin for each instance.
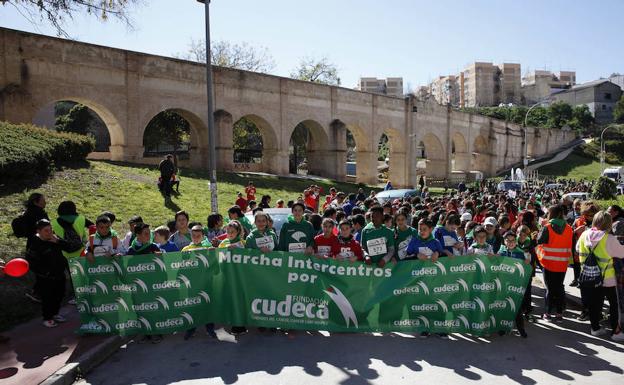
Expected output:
(56, 12)
(559, 114)
(77, 120)
(582, 118)
(169, 128)
(317, 71)
(247, 141)
(383, 148)
(618, 111)
(298, 141)
(241, 56)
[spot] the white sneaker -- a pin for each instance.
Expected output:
(50, 323)
(59, 318)
(618, 337)
(599, 332)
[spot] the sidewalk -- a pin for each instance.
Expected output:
(573, 294)
(35, 352)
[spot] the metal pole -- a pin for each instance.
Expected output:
(212, 153)
(525, 161)
(602, 148)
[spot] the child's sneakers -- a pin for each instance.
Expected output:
(599, 332)
(50, 323)
(619, 337)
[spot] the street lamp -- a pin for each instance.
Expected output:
(212, 154)
(602, 146)
(525, 160)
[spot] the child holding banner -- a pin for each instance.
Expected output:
(234, 238)
(323, 243)
(347, 248)
(297, 234)
(480, 245)
(142, 243)
(424, 246)
(263, 238)
(403, 233)
(198, 241)
(377, 240)
(182, 236)
(446, 234)
(511, 249)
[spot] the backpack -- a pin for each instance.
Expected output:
(71, 237)
(591, 276)
(20, 225)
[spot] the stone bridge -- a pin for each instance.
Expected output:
(127, 89)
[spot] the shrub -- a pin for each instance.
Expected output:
(26, 150)
(604, 189)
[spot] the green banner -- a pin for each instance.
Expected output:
(157, 294)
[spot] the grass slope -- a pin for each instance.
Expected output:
(574, 166)
(126, 190)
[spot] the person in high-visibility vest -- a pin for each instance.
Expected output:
(555, 244)
(72, 223)
(605, 246)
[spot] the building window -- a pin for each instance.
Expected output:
(607, 96)
(604, 107)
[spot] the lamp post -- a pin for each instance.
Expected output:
(212, 155)
(602, 147)
(525, 160)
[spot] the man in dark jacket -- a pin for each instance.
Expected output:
(167, 169)
(46, 259)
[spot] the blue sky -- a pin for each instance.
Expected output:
(417, 40)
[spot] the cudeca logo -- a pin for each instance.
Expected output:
(101, 269)
(497, 305)
(502, 268)
(447, 288)
(145, 306)
(425, 307)
(464, 268)
(189, 301)
(425, 271)
(516, 289)
(125, 288)
(185, 264)
(142, 268)
(464, 305)
(96, 326)
(90, 289)
(176, 322)
(287, 307)
(129, 324)
(166, 285)
(507, 323)
(105, 308)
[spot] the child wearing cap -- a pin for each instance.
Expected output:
(493, 237)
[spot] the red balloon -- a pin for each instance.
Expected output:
(16, 267)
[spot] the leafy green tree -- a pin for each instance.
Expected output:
(247, 141)
(559, 114)
(77, 120)
(618, 111)
(57, 12)
(317, 71)
(383, 148)
(168, 128)
(604, 189)
(582, 118)
(298, 144)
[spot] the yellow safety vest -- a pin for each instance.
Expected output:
(79, 227)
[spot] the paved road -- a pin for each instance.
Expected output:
(553, 354)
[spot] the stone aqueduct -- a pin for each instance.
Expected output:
(127, 89)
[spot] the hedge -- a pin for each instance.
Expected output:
(26, 150)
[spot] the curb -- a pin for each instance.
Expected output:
(89, 360)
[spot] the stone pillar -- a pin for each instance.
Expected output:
(224, 138)
(397, 172)
(462, 162)
(275, 162)
(117, 152)
(132, 154)
(366, 167)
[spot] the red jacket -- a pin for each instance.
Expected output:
(324, 246)
(345, 250)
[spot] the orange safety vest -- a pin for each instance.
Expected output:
(554, 256)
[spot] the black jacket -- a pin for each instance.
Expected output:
(46, 258)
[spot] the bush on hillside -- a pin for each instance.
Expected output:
(26, 150)
(604, 189)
